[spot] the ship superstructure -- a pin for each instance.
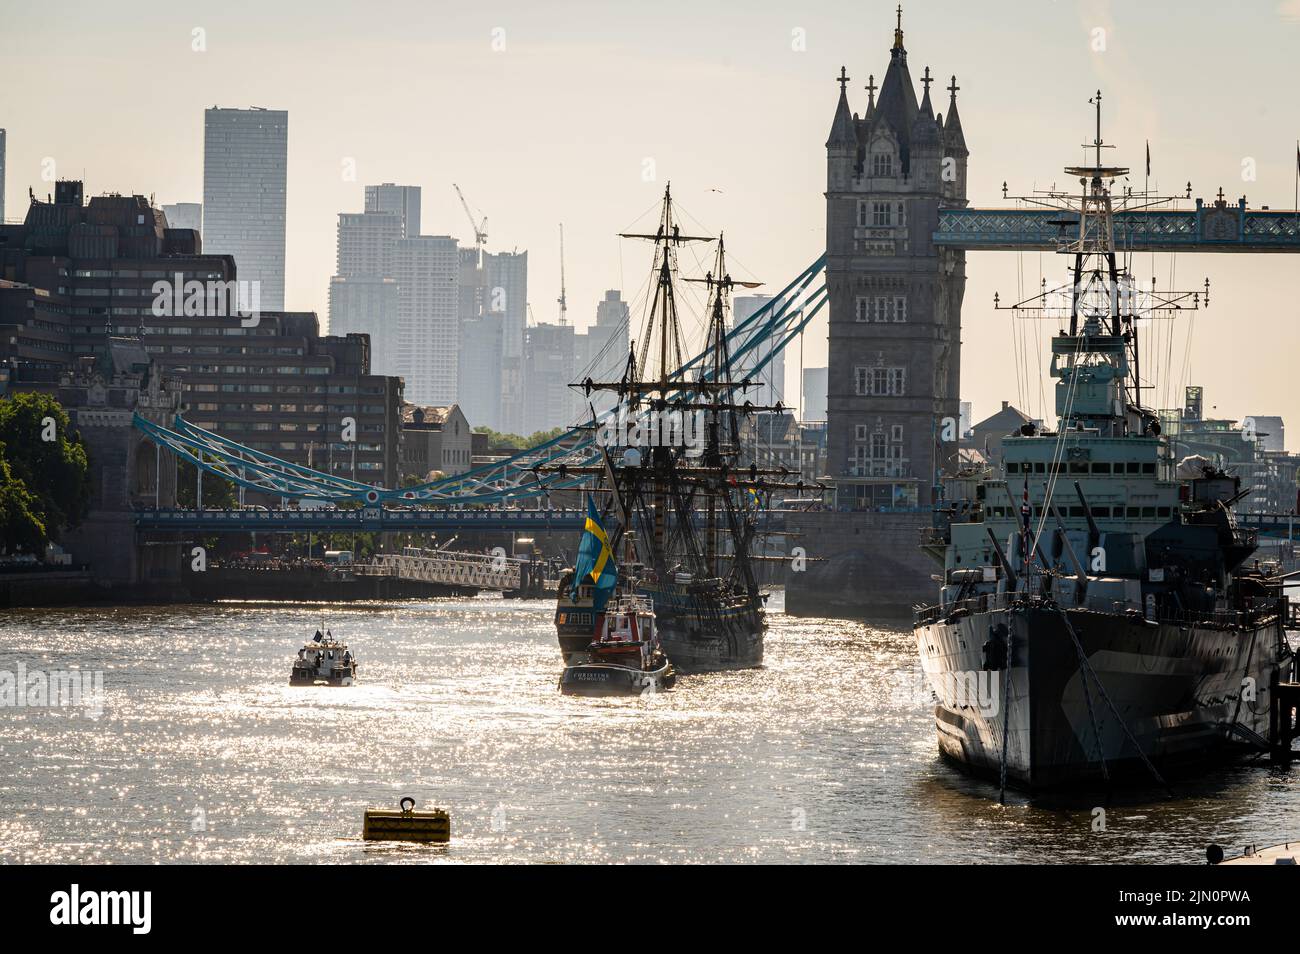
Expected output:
(1098, 612)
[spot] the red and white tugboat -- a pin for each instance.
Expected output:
(625, 658)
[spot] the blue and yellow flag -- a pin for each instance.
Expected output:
(595, 559)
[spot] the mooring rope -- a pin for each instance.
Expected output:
(1006, 714)
(1088, 670)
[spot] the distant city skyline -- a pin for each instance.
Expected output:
(519, 138)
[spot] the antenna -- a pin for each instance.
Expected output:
(563, 300)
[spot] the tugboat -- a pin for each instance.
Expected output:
(1097, 615)
(625, 658)
(324, 661)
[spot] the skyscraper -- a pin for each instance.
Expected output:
(365, 243)
(402, 200)
(2, 176)
(367, 305)
(771, 390)
(814, 395)
(601, 352)
(479, 388)
(505, 279)
(245, 160)
(363, 293)
(548, 366)
(428, 317)
(184, 215)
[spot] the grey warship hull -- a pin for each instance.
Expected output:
(1188, 693)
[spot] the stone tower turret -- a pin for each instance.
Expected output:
(895, 299)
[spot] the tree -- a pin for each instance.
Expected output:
(218, 493)
(46, 458)
(498, 439)
(21, 527)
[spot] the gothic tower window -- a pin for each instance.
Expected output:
(881, 214)
(880, 382)
(882, 164)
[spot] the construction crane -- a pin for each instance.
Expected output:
(563, 300)
(480, 229)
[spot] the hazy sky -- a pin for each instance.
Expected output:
(548, 111)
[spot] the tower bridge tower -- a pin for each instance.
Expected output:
(895, 298)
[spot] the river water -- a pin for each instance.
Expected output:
(201, 752)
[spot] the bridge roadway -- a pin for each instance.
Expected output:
(416, 519)
(362, 519)
(381, 519)
(1270, 524)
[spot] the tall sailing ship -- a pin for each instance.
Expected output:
(1099, 611)
(678, 504)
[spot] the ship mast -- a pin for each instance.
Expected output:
(718, 371)
(1099, 387)
(663, 312)
(663, 307)
(659, 487)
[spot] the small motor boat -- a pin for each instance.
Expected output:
(324, 661)
(625, 659)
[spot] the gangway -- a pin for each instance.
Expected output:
(484, 571)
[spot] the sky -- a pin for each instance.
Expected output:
(579, 112)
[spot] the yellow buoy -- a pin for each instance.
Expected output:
(407, 824)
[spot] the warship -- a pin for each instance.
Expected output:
(680, 504)
(1099, 613)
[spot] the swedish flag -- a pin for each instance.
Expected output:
(595, 559)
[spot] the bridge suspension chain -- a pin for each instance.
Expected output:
(515, 478)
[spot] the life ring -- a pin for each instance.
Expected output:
(406, 809)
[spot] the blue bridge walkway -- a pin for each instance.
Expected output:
(362, 519)
(1217, 227)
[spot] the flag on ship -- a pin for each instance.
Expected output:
(595, 559)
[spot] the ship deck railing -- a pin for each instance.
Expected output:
(1259, 612)
(983, 603)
